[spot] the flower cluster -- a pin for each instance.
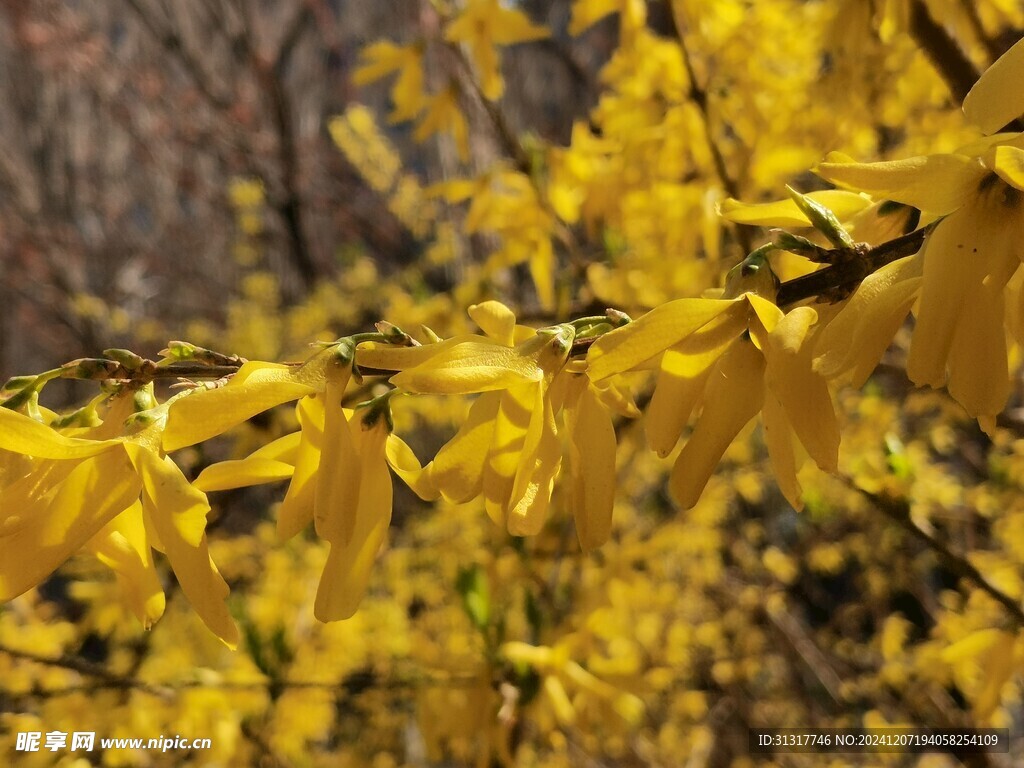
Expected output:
(546, 400)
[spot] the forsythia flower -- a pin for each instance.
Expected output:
(485, 24)
(704, 356)
(509, 449)
(338, 465)
(977, 193)
(119, 496)
(557, 669)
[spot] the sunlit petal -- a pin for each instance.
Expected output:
(734, 394)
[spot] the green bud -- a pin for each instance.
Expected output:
(394, 335)
(786, 241)
(822, 219)
(91, 368)
(128, 359)
(15, 383)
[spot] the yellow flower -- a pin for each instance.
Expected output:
(117, 495)
(966, 263)
(485, 24)
(338, 463)
(256, 387)
(509, 449)
(356, 518)
(384, 57)
(977, 193)
(704, 357)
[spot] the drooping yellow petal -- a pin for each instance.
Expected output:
(969, 258)
(168, 489)
(785, 213)
(496, 320)
(36, 538)
(996, 99)
(241, 473)
(592, 463)
(457, 469)
(937, 184)
(535, 476)
(628, 347)
(402, 460)
(206, 413)
(682, 378)
(778, 436)
(617, 398)
(273, 462)
(734, 394)
(855, 339)
(122, 546)
(337, 477)
(200, 581)
(26, 436)
(1008, 164)
(296, 511)
(347, 571)
(509, 433)
(802, 392)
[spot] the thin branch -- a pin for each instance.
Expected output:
(942, 50)
(898, 510)
(699, 96)
(848, 273)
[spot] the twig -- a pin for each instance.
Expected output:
(848, 273)
(898, 510)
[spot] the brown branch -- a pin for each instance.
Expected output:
(268, 75)
(898, 510)
(942, 50)
(699, 96)
(848, 273)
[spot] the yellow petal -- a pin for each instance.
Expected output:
(296, 511)
(402, 460)
(388, 357)
(122, 546)
(616, 398)
(510, 425)
(206, 413)
(855, 339)
(241, 473)
(200, 581)
(681, 381)
(37, 538)
(803, 393)
(785, 213)
(937, 184)
(968, 260)
(347, 571)
(469, 367)
(996, 99)
(170, 493)
(457, 469)
(337, 477)
(535, 476)
(592, 463)
(734, 395)
(1008, 163)
(273, 462)
(496, 320)
(779, 438)
(24, 435)
(628, 347)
